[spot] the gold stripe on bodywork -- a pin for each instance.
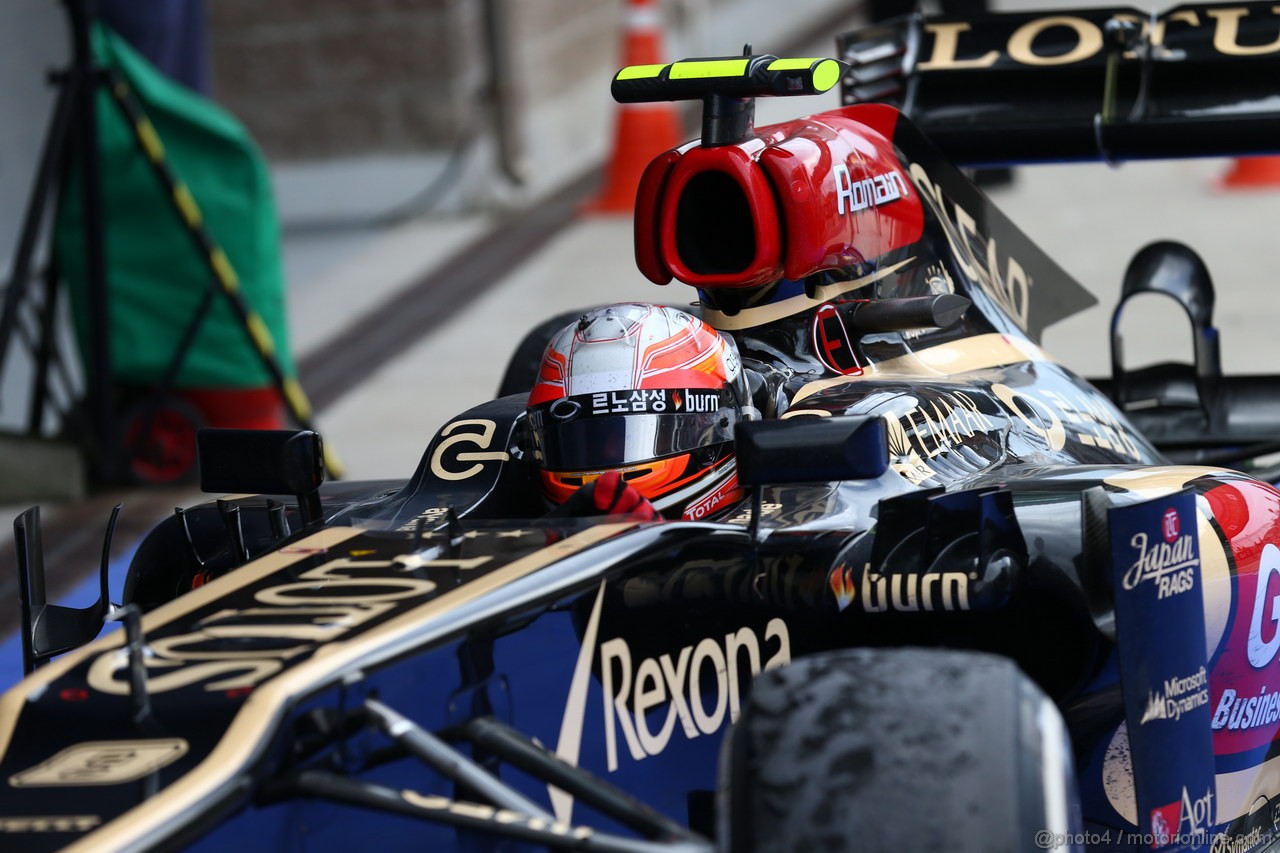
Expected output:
(256, 716)
(1158, 481)
(749, 317)
(1239, 791)
(12, 702)
(980, 352)
(1215, 572)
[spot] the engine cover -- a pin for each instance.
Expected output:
(820, 192)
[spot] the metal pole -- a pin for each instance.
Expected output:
(52, 163)
(100, 405)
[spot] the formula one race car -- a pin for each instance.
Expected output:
(968, 602)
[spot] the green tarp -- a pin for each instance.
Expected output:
(156, 275)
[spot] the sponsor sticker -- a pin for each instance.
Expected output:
(900, 592)
(49, 823)
(1241, 711)
(938, 426)
(1246, 701)
(832, 343)
(723, 495)
(1164, 820)
(685, 401)
(1171, 566)
(240, 647)
(1178, 696)
(854, 583)
(102, 763)
(1159, 612)
(676, 694)
(872, 191)
(701, 684)
(639, 400)
(1186, 822)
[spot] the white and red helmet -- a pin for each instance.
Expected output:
(649, 391)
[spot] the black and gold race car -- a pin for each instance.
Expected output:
(970, 600)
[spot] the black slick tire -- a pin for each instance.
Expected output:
(896, 750)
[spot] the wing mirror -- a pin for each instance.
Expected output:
(810, 450)
(266, 462)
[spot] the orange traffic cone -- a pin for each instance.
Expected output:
(643, 131)
(1252, 173)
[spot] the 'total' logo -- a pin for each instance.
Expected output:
(1165, 820)
(1172, 524)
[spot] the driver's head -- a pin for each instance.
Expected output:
(645, 390)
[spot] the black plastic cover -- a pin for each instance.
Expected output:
(269, 462)
(811, 450)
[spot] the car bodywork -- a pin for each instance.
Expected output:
(291, 677)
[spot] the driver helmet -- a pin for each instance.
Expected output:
(645, 390)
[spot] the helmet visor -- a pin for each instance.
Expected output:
(592, 432)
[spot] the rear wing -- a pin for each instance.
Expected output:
(1093, 84)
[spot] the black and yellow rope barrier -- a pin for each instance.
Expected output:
(225, 280)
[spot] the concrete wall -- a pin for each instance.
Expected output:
(323, 78)
(316, 80)
(33, 40)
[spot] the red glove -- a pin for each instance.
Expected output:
(609, 494)
(613, 495)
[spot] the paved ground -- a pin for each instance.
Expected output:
(1092, 218)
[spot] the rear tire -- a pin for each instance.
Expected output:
(896, 750)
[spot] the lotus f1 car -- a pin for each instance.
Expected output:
(972, 602)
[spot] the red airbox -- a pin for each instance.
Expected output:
(821, 192)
